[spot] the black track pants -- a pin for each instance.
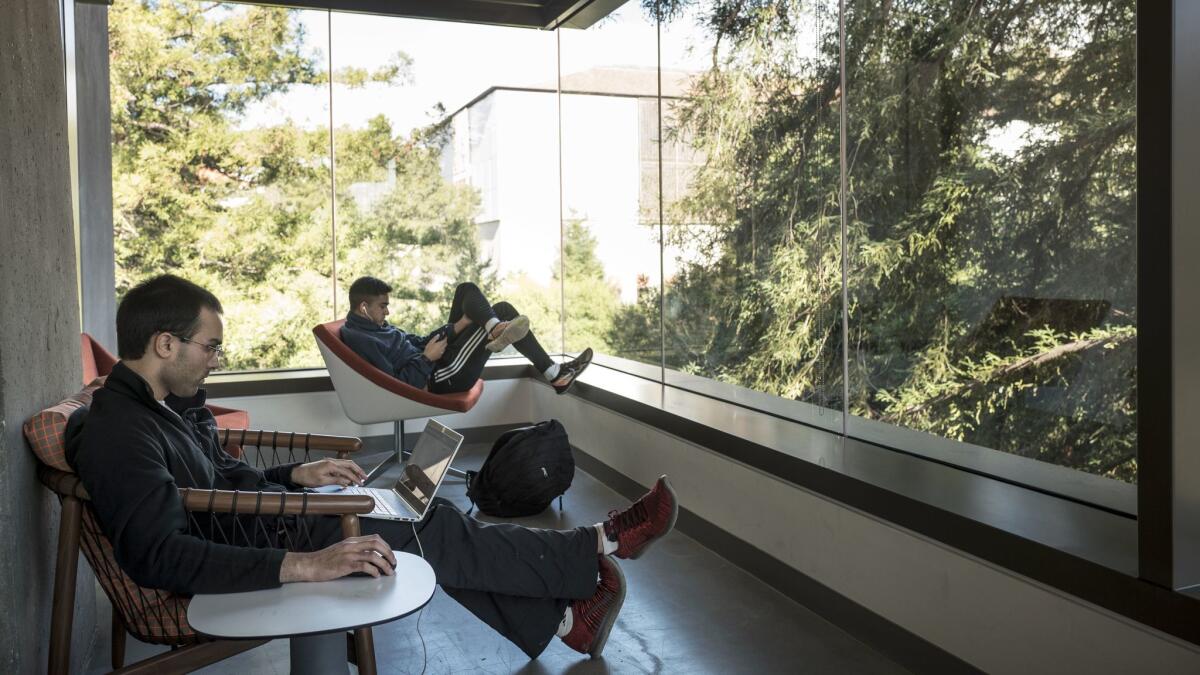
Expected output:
(517, 579)
(462, 364)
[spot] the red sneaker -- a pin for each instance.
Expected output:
(646, 520)
(593, 618)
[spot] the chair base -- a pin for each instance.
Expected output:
(319, 654)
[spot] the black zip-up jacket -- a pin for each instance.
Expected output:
(391, 350)
(133, 454)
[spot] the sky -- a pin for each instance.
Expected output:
(455, 62)
(452, 63)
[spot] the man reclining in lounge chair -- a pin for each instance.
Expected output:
(451, 358)
(148, 434)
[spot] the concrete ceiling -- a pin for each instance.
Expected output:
(542, 14)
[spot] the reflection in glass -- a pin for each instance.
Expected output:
(408, 211)
(992, 284)
(497, 141)
(610, 220)
(753, 272)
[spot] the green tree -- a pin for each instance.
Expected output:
(245, 210)
(991, 291)
(592, 302)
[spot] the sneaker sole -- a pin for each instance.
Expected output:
(670, 524)
(515, 330)
(562, 390)
(611, 619)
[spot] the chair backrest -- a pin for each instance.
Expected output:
(369, 395)
(97, 361)
(150, 615)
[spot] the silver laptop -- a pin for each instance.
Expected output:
(420, 478)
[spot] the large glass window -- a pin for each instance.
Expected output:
(991, 222)
(753, 275)
(610, 190)
(212, 180)
(666, 187)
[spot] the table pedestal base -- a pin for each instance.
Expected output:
(319, 654)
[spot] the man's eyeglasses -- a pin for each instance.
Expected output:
(212, 349)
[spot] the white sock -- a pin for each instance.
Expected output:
(607, 546)
(491, 323)
(551, 373)
(564, 626)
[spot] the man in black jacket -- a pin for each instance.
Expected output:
(147, 434)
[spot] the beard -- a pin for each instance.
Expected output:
(184, 379)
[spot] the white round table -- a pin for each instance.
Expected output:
(314, 609)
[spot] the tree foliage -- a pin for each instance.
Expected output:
(247, 212)
(990, 210)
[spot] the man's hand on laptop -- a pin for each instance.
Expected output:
(369, 555)
(341, 472)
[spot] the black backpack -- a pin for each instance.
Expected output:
(526, 469)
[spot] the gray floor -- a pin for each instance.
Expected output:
(687, 611)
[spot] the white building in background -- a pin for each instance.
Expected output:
(505, 143)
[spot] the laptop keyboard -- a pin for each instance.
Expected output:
(381, 505)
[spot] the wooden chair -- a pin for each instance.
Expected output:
(370, 396)
(156, 616)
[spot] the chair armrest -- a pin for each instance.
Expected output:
(291, 440)
(228, 501)
(275, 503)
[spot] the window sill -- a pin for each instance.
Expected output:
(1082, 550)
(308, 380)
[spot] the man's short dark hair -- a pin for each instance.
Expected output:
(365, 288)
(164, 304)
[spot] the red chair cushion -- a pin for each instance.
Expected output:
(47, 430)
(330, 334)
(230, 418)
(97, 361)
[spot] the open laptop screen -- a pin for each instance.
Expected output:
(427, 465)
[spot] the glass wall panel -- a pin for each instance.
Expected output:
(610, 190)
(446, 164)
(992, 269)
(751, 174)
(221, 165)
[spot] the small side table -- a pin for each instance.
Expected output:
(324, 610)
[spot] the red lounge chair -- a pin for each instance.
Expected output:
(370, 396)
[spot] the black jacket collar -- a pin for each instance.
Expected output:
(122, 380)
(363, 323)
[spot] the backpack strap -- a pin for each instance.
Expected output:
(470, 477)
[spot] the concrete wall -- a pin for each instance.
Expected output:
(39, 346)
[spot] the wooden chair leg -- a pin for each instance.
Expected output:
(364, 643)
(62, 613)
(364, 647)
(118, 640)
